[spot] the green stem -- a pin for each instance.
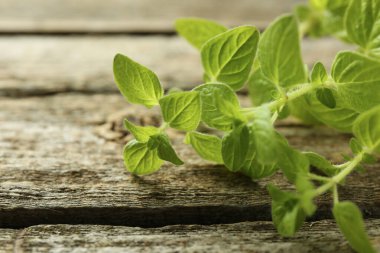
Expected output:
(279, 103)
(163, 127)
(336, 196)
(341, 175)
(297, 92)
(318, 177)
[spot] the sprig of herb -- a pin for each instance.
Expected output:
(279, 83)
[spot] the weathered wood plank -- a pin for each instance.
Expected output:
(44, 65)
(56, 169)
(130, 15)
(7, 238)
(255, 237)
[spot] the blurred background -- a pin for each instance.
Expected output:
(53, 46)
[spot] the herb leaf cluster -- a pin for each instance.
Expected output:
(271, 65)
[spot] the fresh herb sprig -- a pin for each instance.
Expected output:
(279, 84)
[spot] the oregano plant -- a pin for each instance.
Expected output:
(244, 139)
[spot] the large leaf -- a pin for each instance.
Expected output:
(263, 136)
(350, 222)
(362, 22)
(220, 106)
(209, 147)
(198, 30)
(139, 159)
(357, 79)
(136, 83)
(287, 213)
(182, 110)
(228, 57)
(235, 147)
(280, 54)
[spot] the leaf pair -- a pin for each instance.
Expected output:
(146, 154)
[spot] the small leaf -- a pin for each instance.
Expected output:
(182, 110)
(197, 30)
(367, 129)
(287, 214)
(139, 159)
(141, 133)
(350, 222)
(228, 57)
(326, 97)
(234, 148)
(209, 147)
(280, 54)
(136, 83)
(220, 106)
(318, 74)
(165, 150)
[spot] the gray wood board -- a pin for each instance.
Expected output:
(48, 64)
(57, 167)
(142, 16)
(258, 237)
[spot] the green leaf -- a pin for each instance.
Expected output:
(182, 110)
(350, 222)
(209, 147)
(235, 145)
(362, 22)
(228, 57)
(139, 159)
(280, 54)
(291, 161)
(318, 74)
(136, 83)
(340, 117)
(367, 129)
(287, 214)
(321, 163)
(141, 133)
(220, 106)
(326, 97)
(197, 30)
(165, 150)
(255, 170)
(357, 77)
(261, 89)
(264, 137)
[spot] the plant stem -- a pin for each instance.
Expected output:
(163, 127)
(318, 177)
(297, 92)
(279, 103)
(341, 175)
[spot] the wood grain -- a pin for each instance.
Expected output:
(40, 65)
(56, 168)
(38, 16)
(258, 237)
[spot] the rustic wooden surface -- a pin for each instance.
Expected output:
(40, 65)
(61, 138)
(131, 15)
(58, 167)
(258, 237)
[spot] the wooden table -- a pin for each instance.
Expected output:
(63, 187)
